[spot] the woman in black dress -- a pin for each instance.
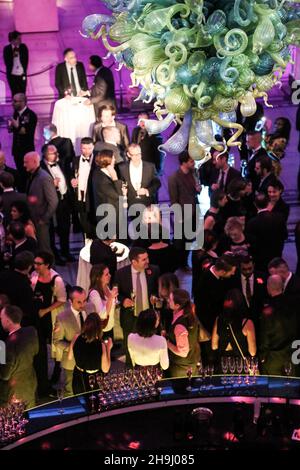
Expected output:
(167, 282)
(234, 240)
(213, 219)
(92, 356)
(202, 258)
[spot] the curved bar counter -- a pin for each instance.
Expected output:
(148, 418)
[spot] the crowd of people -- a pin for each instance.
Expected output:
(244, 300)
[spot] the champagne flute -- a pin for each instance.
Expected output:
(137, 188)
(224, 365)
(117, 301)
(239, 368)
(60, 396)
(133, 298)
(210, 370)
(288, 367)
(189, 374)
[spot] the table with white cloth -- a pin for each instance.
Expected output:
(74, 119)
(84, 269)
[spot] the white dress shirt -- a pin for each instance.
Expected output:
(244, 282)
(69, 67)
(17, 66)
(77, 317)
(56, 172)
(148, 351)
(143, 284)
(100, 308)
(287, 281)
(136, 174)
(83, 176)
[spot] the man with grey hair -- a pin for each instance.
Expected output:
(42, 198)
(22, 125)
(279, 327)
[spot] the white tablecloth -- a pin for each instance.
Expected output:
(73, 119)
(84, 266)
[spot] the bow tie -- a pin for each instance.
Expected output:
(85, 159)
(52, 164)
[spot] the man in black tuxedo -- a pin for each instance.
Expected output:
(16, 58)
(224, 173)
(16, 280)
(63, 145)
(17, 375)
(268, 230)
(82, 171)
(103, 89)
(22, 125)
(141, 178)
(291, 282)
(149, 144)
(52, 164)
(253, 286)
(8, 169)
(255, 149)
(137, 281)
(70, 77)
(9, 194)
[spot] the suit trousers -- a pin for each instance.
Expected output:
(17, 84)
(87, 228)
(63, 222)
(22, 174)
(68, 378)
(43, 237)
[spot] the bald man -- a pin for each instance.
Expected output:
(279, 327)
(42, 198)
(22, 125)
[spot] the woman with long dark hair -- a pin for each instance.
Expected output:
(91, 354)
(19, 212)
(183, 336)
(102, 297)
(146, 348)
(233, 333)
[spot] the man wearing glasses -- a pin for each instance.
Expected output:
(140, 177)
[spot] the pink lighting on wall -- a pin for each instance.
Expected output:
(39, 16)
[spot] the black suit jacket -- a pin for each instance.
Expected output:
(17, 376)
(15, 174)
(105, 191)
(66, 152)
(292, 291)
(251, 174)
(149, 146)
(263, 186)
(231, 175)
(281, 207)
(23, 135)
(123, 279)
(269, 231)
(259, 294)
(18, 289)
(29, 245)
(103, 89)
(8, 198)
(60, 163)
(9, 58)
(62, 81)
(149, 181)
(74, 173)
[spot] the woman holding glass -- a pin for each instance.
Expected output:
(103, 298)
(183, 335)
(91, 354)
(233, 333)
